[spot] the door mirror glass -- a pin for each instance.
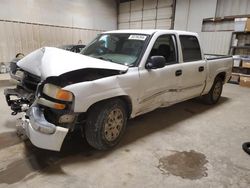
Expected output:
(155, 62)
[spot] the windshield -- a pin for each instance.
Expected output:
(123, 49)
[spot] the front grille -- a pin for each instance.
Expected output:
(30, 81)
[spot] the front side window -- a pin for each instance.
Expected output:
(165, 46)
(191, 50)
(123, 49)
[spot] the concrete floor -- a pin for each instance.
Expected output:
(186, 145)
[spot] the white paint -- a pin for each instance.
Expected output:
(147, 89)
(46, 141)
(152, 31)
(50, 61)
(135, 83)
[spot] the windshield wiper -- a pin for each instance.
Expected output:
(105, 59)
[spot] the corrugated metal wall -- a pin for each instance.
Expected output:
(215, 42)
(22, 37)
(189, 16)
(145, 14)
(212, 26)
(30, 24)
(232, 7)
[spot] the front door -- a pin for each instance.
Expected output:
(159, 86)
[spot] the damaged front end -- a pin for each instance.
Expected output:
(22, 97)
(41, 113)
(48, 108)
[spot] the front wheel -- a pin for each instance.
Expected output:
(106, 124)
(215, 92)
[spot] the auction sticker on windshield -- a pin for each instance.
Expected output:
(137, 37)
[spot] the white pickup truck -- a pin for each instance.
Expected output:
(119, 75)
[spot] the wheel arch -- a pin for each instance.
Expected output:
(222, 76)
(210, 81)
(125, 98)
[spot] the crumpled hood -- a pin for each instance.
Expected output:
(49, 61)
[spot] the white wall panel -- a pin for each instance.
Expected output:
(150, 4)
(163, 24)
(148, 24)
(2, 44)
(215, 42)
(135, 25)
(149, 14)
(17, 37)
(124, 7)
(24, 38)
(189, 15)
(232, 7)
(181, 15)
(136, 5)
(123, 17)
(136, 16)
(124, 25)
(30, 38)
(28, 24)
(165, 12)
(6, 37)
(164, 3)
(94, 14)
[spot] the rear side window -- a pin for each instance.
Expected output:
(190, 48)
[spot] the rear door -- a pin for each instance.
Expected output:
(193, 68)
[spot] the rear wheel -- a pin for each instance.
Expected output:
(215, 92)
(106, 124)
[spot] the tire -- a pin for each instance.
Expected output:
(215, 92)
(106, 124)
(246, 147)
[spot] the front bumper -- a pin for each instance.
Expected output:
(40, 132)
(22, 101)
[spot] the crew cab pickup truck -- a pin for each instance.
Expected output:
(119, 75)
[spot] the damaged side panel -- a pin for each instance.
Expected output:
(90, 92)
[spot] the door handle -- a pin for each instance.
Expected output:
(178, 72)
(201, 68)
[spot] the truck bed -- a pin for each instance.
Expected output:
(215, 56)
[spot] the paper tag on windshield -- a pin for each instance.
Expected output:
(137, 37)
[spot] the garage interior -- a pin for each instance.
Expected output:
(189, 144)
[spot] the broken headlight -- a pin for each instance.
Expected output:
(18, 75)
(59, 96)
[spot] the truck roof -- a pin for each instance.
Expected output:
(151, 31)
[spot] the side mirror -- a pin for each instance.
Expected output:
(155, 62)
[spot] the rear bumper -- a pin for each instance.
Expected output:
(40, 132)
